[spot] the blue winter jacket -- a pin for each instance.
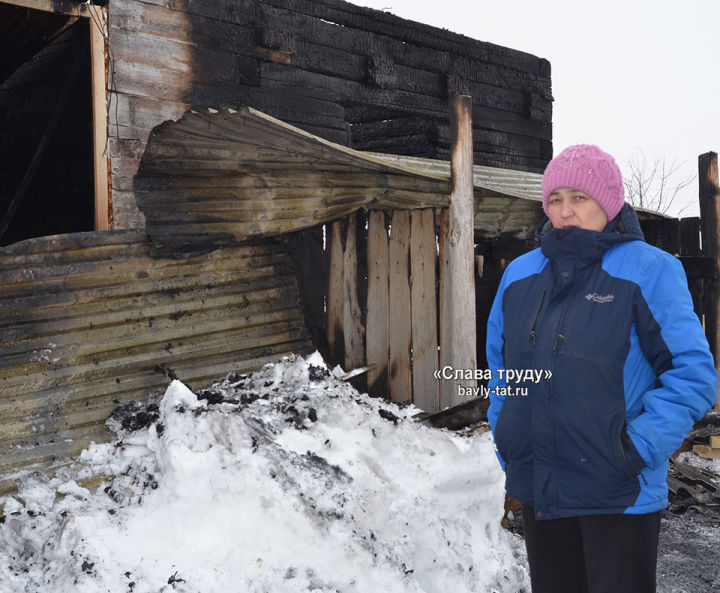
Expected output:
(621, 366)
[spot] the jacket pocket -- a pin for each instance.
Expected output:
(512, 430)
(632, 459)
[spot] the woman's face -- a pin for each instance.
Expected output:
(568, 207)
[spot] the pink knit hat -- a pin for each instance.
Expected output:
(592, 171)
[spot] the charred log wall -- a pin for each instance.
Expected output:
(353, 75)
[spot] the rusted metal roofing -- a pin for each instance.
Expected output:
(230, 175)
(93, 319)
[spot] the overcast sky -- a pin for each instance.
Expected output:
(627, 75)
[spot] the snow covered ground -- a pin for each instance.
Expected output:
(287, 480)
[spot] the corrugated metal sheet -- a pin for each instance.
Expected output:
(230, 175)
(93, 319)
(487, 180)
(220, 176)
(507, 202)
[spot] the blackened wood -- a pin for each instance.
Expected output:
(698, 266)
(710, 216)
(485, 290)
(457, 417)
(493, 111)
(670, 235)
(335, 307)
(409, 32)
(311, 261)
(228, 53)
(663, 233)
(400, 42)
(690, 236)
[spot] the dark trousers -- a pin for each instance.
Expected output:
(592, 554)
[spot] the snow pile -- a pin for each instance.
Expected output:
(286, 480)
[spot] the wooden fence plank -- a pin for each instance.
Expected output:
(354, 332)
(690, 236)
(399, 320)
(423, 257)
(335, 308)
(709, 194)
(377, 304)
(447, 396)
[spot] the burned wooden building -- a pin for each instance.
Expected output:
(196, 187)
(355, 76)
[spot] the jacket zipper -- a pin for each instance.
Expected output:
(535, 319)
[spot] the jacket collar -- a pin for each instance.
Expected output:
(588, 246)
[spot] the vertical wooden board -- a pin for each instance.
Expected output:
(670, 235)
(423, 305)
(98, 33)
(353, 330)
(362, 225)
(446, 387)
(690, 236)
(399, 318)
(312, 261)
(335, 307)
(377, 338)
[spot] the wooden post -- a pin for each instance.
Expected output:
(98, 34)
(710, 220)
(458, 337)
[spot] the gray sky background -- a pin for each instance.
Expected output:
(632, 75)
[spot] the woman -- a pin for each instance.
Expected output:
(626, 370)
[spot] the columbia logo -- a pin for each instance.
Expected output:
(600, 298)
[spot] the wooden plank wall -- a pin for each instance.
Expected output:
(399, 283)
(353, 75)
(94, 319)
(382, 307)
(396, 296)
